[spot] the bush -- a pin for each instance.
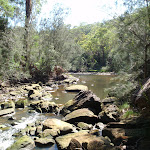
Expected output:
(104, 69)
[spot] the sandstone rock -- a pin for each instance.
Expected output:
(32, 87)
(110, 113)
(24, 143)
(84, 99)
(74, 144)
(39, 130)
(47, 132)
(76, 88)
(84, 126)
(81, 115)
(97, 145)
(21, 103)
(117, 135)
(44, 106)
(48, 141)
(34, 94)
(55, 124)
(5, 84)
(46, 96)
(7, 108)
(15, 93)
(81, 138)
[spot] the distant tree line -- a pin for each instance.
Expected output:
(27, 50)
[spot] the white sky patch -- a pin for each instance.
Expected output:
(88, 11)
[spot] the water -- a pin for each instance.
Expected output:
(95, 83)
(6, 138)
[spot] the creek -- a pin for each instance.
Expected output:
(95, 83)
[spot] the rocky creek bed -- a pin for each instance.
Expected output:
(85, 122)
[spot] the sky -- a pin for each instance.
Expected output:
(86, 11)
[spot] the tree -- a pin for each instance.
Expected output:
(6, 9)
(144, 15)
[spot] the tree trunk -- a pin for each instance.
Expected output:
(26, 38)
(145, 60)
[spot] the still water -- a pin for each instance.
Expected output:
(95, 83)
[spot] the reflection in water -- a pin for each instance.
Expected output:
(95, 83)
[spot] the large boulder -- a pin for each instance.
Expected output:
(76, 88)
(57, 124)
(143, 97)
(24, 143)
(110, 113)
(7, 108)
(80, 138)
(84, 99)
(79, 115)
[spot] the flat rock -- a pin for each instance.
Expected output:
(76, 88)
(44, 141)
(81, 115)
(56, 124)
(83, 138)
(7, 108)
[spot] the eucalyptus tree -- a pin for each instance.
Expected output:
(143, 7)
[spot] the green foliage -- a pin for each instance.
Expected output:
(105, 69)
(125, 106)
(129, 114)
(125, 85)
(6, 9)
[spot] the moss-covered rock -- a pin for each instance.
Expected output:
(21, 103)
(84, 126)
(25, 142)
(7, 108)
(50, 132)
